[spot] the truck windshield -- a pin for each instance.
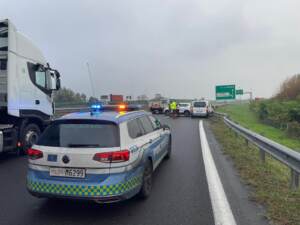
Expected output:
(81, 134)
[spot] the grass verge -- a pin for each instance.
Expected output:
(270, 180)
(242, 114)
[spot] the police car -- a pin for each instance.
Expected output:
(106, 156)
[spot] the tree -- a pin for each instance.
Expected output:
(93, 100)
(158, 96)
(289, 89)
(67, 95)
(142, 97)
(83, 97)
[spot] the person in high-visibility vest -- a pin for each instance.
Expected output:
(173, 107)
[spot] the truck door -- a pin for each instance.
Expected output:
(41, 99)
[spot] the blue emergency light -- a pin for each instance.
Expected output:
(95, 108)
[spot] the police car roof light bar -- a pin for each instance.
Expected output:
(97, 108)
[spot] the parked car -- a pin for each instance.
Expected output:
(201, 108)
(184, 109)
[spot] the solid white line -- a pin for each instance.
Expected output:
(221, 208)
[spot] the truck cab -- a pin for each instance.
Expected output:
(159, 106)
(27, 83)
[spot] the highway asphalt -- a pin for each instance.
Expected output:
(180, 194)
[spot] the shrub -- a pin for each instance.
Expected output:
(283, 110)
(293, 129)
(262, 110)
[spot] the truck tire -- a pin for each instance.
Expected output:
(30, 135)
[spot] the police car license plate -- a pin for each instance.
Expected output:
(67, 172)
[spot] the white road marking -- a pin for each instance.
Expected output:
(221, 208)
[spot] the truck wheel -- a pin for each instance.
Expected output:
(30, 136)
(147, 181)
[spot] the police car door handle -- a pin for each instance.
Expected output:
(150, 141)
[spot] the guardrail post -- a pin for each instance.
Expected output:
(262, 155)
(247, 142)
(294, 179)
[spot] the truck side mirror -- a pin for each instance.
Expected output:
(57, 83)
(53, 80)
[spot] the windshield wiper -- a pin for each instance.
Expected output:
(83, 145)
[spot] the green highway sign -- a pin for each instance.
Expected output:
(239, 92)
(225, 92)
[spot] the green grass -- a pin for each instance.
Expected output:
(270, 180)
(242, 114)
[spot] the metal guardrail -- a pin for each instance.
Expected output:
(62, 111)
(282, 153)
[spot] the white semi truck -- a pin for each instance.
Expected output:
(27, 84)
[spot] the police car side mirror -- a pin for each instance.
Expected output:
(165, 127)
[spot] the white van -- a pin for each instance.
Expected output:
(201, 108)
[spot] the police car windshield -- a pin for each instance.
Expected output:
(81, 134)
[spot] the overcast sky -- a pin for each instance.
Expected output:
(176, 48)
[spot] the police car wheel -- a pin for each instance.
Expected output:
(147, 181)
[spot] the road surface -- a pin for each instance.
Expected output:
(180, 194)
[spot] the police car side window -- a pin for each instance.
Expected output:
(155, 123)
(134, 129)
(147, 125)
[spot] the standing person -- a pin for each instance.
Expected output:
(173, 107)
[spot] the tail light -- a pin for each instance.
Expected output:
(112, 157)
(34, 154)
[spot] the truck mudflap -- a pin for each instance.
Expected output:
(8, 139)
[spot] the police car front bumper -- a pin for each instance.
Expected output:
(101, 188)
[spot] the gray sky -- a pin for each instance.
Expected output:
(176, 48)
